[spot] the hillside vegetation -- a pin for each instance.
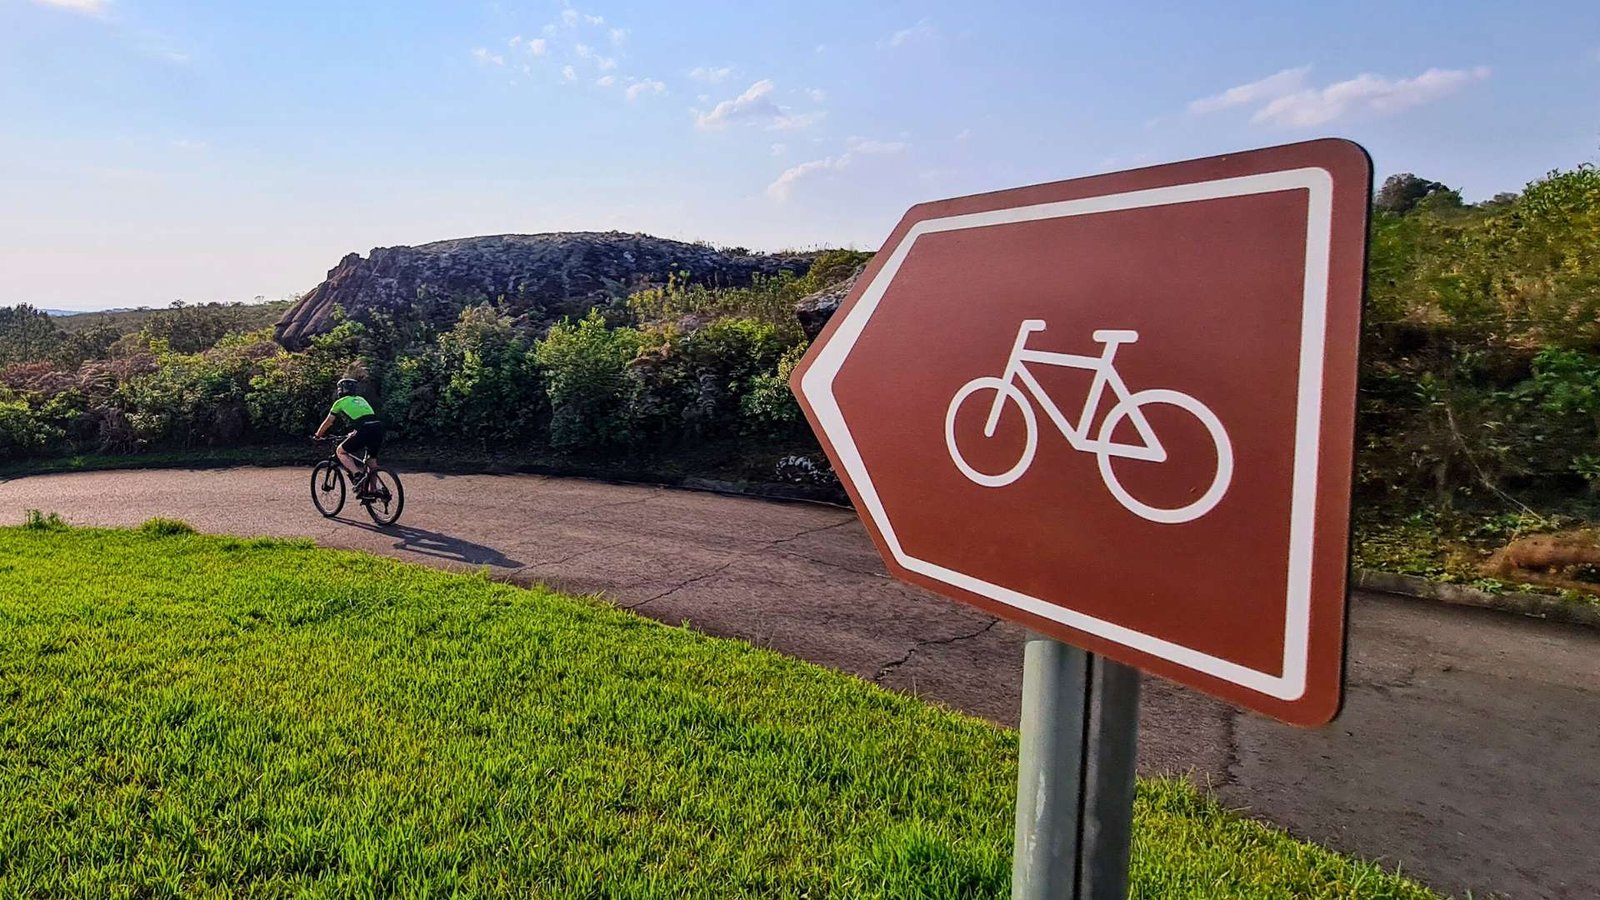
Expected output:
(1480, 403)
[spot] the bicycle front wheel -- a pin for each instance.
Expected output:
(385, 497)
(992, 394)
(327, 488)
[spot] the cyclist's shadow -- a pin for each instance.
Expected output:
(440, 546)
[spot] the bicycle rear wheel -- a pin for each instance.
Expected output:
(385, 497)
(327, 488)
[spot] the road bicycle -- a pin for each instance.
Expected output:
(1017, 385)
(383, 501)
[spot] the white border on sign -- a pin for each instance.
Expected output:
(1291, 684)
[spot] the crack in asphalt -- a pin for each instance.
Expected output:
(895, 664)
(673, 590)
(596, 508)
(833, 565)
(765, 546)
(1231, 758)
(800, 534)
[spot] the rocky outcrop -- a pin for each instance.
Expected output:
(535, 276)
(814, 310)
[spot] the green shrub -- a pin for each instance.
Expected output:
(768, 407)
(24, 431)
(695, 379)
(290, 396)
(38, 521)
(491, 390)
(167, 528)
(585, 369)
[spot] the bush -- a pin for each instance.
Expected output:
(585, 370)
(38, 521)
(691, 382)
(491, 391)
(167, 528)
(768, 407)
(291, 395)
(23, 431)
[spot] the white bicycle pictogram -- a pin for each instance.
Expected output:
(1128, 405)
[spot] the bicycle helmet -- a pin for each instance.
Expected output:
(346, 386)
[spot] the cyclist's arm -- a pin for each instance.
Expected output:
(327, 425)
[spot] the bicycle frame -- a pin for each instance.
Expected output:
(1105, 376)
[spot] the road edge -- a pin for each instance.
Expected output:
(1548, 607)
(1524, 603)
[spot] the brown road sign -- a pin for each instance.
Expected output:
(1120, 411)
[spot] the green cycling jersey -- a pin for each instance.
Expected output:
(354, 408)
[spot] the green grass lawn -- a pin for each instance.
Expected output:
(186, 715)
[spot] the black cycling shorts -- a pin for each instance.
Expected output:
(367, 437)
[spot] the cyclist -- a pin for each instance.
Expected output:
(366, 432)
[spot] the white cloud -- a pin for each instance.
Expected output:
(817, 95)
(779, 149)
(482, 54)
(537, 46)
(965, 133)
(583, 51)
(568, 73)
(190, 146)
(1269, 88)
(570, 17)
(515, 42)
(1365, 93)
(920, 33)
(1287, 99)
(606, 63)
(710, 74)
(647, 86)
(606, 80)
(797, 121)
(550, 30)
(782, 188)
(85, 7)
(756, 102)
(619, 35)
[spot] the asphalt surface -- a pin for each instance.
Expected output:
(1468, 752)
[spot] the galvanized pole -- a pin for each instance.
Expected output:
(1075, 775)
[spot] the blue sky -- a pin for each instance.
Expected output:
(155, 150)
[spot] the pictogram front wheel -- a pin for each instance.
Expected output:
(1219, 438)
(990, 390)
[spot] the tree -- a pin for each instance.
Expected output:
(26, 334)
(1403, 192)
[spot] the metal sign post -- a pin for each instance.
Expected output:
(1075, 779)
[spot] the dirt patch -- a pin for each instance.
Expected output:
(1568, 559)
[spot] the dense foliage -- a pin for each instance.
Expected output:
(671, 365)
(1480, 382)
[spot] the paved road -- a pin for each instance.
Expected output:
(1468, 752)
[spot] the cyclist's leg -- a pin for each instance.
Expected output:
(372, 439)
(346, 450)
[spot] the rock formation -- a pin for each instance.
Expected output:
(538, 276)
(814, 310)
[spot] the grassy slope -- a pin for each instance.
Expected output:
(185, 714)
